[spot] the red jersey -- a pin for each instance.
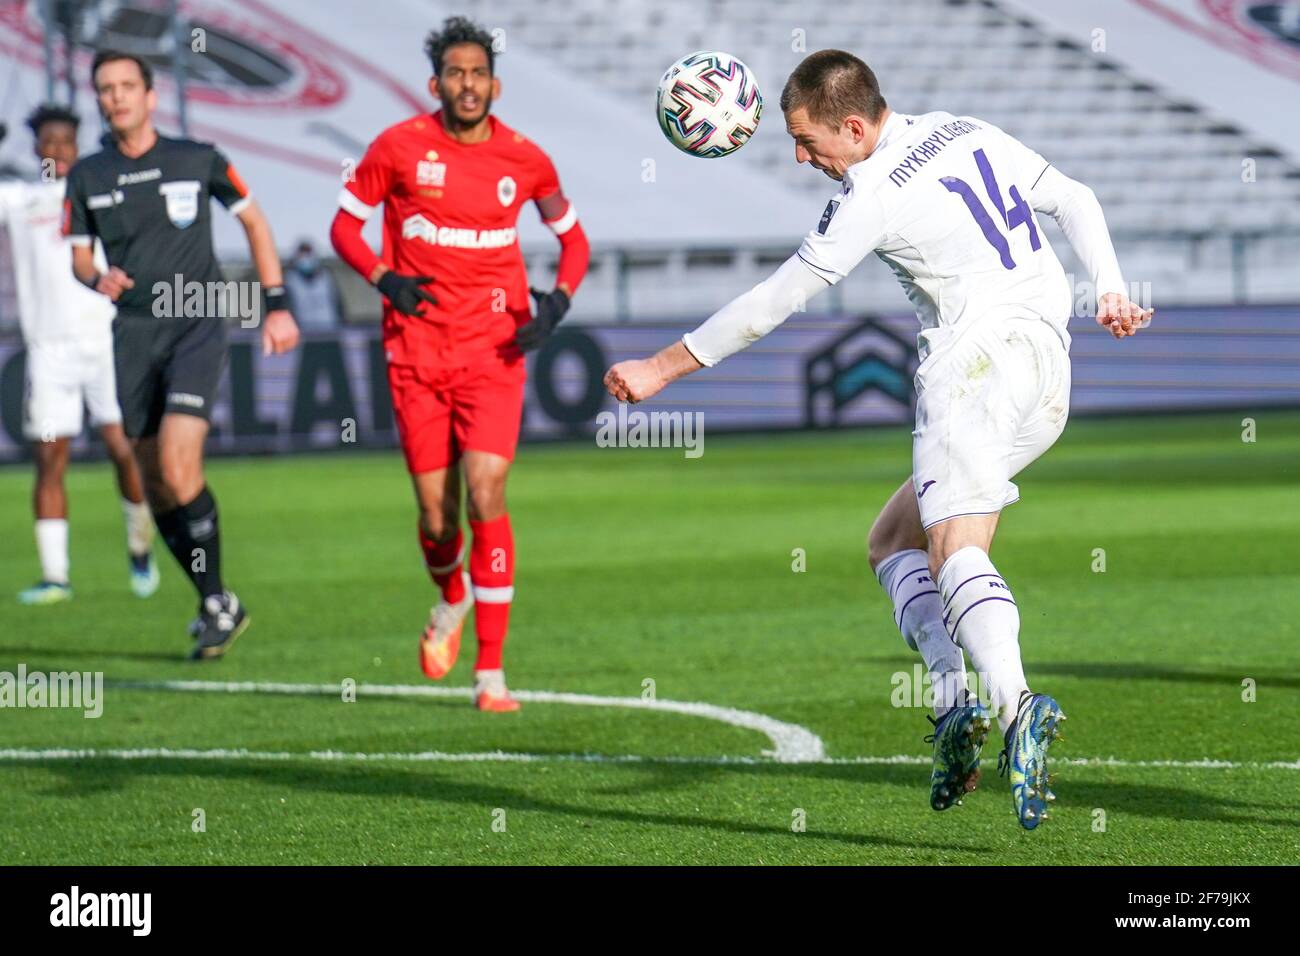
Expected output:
(450, 211)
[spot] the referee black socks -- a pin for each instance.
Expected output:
(193, 536)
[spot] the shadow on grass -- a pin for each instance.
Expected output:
(438, 784)
(1133, 670)
(91, 654)
(393, 782)
(1074, 790)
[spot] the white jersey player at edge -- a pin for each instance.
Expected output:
(67, 331)
(950, 204)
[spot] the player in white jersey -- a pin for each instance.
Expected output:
(67, 330)
(950, 204)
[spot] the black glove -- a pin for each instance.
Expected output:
(551, 307)
(404, 292)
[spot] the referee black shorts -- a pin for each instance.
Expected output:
(166, 366)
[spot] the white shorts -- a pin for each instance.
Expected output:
(986, 407)
(62, 377)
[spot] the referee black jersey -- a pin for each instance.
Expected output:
(152, 213)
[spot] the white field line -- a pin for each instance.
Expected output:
(40, 755)
(790, 742)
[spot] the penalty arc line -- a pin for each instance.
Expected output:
(791, 743)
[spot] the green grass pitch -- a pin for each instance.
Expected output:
(636, 565)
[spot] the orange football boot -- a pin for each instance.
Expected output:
(491, 696)
(440, 642)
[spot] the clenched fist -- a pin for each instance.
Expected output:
(1120, 316)
(635, 380)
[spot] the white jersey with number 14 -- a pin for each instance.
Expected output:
(948, 204)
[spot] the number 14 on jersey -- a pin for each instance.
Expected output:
(1018, 215)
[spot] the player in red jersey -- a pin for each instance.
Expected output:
(456, 324)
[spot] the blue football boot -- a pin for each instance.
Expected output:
(1024, 760)
(958, 736)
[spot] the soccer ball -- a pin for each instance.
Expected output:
(708, 104)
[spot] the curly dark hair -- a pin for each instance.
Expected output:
(51, 113)
(456, 30)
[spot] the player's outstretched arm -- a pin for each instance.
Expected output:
(638, 379)
(1076, 210)
(741, 322)
(279, 330)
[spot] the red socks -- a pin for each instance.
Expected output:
(444, 563)
(492, 572)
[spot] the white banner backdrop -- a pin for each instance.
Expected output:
(294, 90)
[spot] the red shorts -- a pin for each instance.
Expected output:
(442, 413)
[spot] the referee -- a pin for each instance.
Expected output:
(145, 197)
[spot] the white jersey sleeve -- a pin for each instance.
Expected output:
(748, 317)
(52, 304)
(1075, 209)
(851, 227)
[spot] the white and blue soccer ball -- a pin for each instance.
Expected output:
(708, 104)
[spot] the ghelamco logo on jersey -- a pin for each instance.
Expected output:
(418, 227)
(75, 908)
(72, 690)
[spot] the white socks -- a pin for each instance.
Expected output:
(52, 547)
(918, 612)
(52, 539)
(139, 527)
(982, 617)
(491, 681)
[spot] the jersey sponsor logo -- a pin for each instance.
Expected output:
(428, 173)
(506, 190)
(140, 176)
(185, 398)
(831, 206)
(105, 200)
(182, 201)
(417, 227)
(924, 488)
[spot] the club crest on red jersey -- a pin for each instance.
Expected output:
(506, 190)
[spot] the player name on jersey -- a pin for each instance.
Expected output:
(928, 147)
